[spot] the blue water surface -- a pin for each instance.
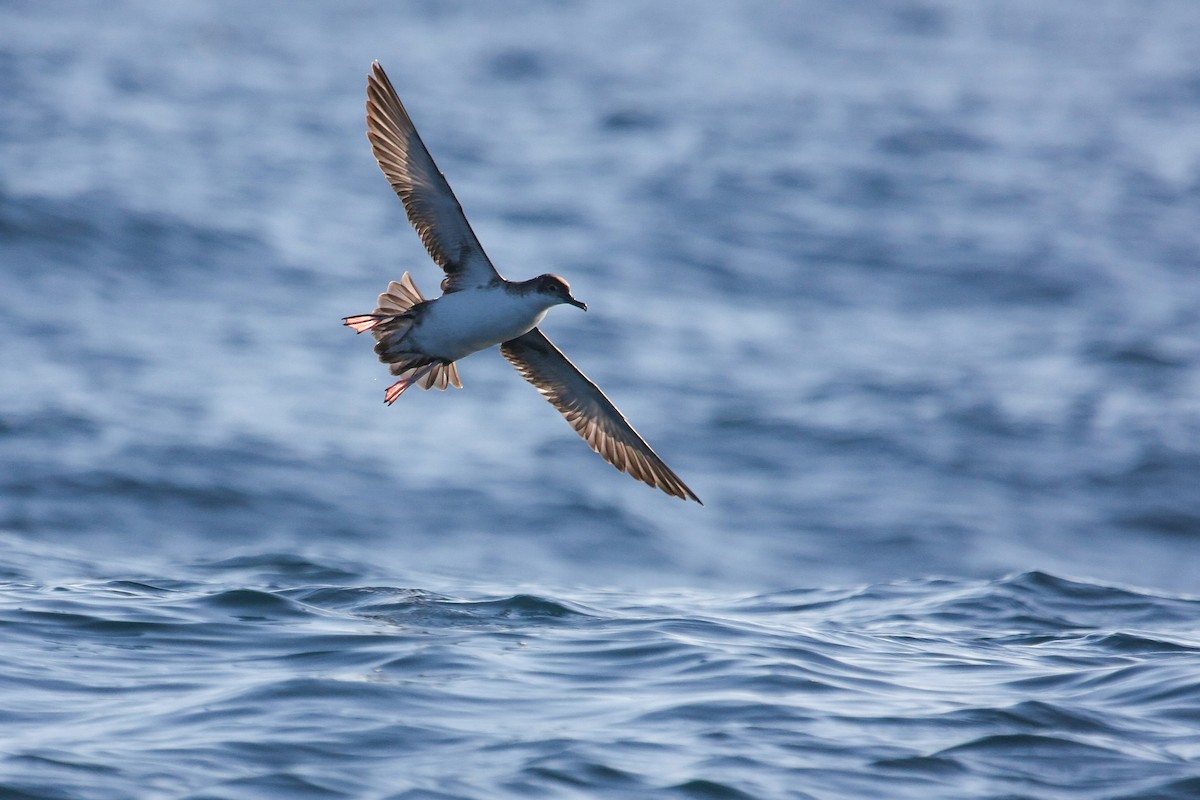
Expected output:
(908, 292)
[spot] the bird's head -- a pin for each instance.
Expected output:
(557, 289)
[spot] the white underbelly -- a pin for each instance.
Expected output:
(462, 323)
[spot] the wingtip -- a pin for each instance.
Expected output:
(682, 491)
(377, 76)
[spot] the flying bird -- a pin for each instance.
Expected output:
(422, 339)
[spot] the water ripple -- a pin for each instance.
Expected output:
(695, 695)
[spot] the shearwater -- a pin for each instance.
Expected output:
(421, 339)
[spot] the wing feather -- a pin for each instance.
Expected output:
(432, 208)
(590, 413)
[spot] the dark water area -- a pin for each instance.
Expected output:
(908, 292)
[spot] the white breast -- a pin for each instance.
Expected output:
(462, 323)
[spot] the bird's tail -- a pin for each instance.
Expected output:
(389, 324)
(393, 314)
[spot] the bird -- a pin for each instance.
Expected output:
(423, 339)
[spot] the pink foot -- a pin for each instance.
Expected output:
(401, 386)
(362, 323)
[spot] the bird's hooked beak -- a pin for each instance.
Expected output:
(576, 303)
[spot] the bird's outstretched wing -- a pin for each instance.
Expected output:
(591, 414)
(431, 205)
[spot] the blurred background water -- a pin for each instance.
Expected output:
(908, 292)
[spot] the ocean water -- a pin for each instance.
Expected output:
(908, 292)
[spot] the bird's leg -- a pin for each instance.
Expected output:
(399, 387)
